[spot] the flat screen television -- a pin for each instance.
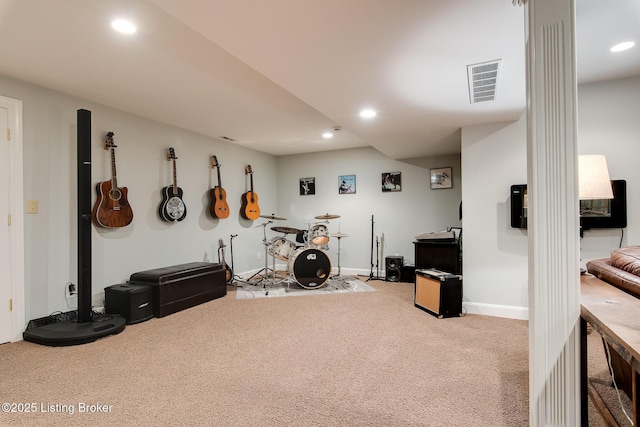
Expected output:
(606, 213)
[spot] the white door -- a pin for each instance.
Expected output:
(6, 282)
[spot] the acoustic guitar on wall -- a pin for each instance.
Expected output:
(250, 209)
(219, 207)
(172, 207)
(112, 208)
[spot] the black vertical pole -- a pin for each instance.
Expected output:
(84, 216)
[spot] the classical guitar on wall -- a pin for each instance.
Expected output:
(111, 209)
(172, 207)
(219, 207)
(250, 209)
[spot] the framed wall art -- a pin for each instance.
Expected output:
(307, 186)
(391, 181)
(441, 178)
(346, 184)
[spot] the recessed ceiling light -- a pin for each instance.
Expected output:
(123, 26)
(622, 46)
(327, 135)
(367, 114)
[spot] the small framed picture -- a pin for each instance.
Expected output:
(346, 184)
(391, 181)
(441, 178)
(307, 186)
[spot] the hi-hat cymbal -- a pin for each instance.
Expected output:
(327, 216)
(272, 216)
(286, 230)
(338, 235)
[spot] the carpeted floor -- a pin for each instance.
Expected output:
(354, 359)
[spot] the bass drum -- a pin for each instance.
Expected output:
(310, 267)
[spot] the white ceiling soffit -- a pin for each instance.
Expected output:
(483, 81)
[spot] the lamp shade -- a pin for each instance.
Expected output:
(594, 178)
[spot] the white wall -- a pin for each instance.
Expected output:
(50, 178)
(608, 124)
(494, 158)
(399, 216)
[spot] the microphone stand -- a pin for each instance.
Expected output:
(377, 258)
(371, 276)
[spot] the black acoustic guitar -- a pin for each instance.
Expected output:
(172, 207)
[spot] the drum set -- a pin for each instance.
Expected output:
(307, 262)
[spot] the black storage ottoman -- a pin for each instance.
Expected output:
(133, 302)
(183, 286)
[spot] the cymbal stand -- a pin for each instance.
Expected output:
(266, 269)
(338, 277)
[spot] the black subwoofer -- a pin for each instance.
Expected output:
(393, 268)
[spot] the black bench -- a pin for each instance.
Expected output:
(183, 286)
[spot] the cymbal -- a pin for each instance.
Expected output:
(286, 230)
(272, 216)
(338, 235)
(327, 216)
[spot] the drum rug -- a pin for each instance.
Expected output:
(267, 289)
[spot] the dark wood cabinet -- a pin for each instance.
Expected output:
(444, 255)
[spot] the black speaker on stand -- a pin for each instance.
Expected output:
(393, 268)
(87, 328)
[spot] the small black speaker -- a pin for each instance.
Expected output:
(132, 301)
(393, 268)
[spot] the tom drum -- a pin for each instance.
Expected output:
(310, 267)
(318, 235)
(281, 248)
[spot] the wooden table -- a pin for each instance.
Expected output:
(615, 315)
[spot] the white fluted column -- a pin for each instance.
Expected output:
(554, 284)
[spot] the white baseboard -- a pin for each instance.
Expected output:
(509, 312)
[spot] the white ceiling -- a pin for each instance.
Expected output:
(275, 74)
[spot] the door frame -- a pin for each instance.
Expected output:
(16, 230)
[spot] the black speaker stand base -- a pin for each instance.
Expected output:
(71, 332)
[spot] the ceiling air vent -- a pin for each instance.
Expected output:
(483, 80)
(226, 138)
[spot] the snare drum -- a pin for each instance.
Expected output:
(310, 267)
(318, 235)
(281, 248)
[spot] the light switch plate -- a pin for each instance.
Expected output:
(32, 206)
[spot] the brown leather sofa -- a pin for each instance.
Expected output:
(622, 270)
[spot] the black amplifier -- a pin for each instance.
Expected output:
(438, 293)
